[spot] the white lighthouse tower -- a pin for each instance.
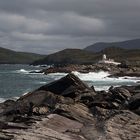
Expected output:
(104, 57)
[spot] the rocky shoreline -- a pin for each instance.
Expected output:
(114, 70)
(68, 109)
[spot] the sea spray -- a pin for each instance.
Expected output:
(17, 79)
(91, 76)
(2, 100)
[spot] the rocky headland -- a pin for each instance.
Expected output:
(68, 109)
(114, 70)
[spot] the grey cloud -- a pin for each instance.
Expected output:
(52, 25)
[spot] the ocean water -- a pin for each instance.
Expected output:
(16, 80)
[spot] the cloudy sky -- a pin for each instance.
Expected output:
(47, 26)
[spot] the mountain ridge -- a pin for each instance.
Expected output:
(128, 44)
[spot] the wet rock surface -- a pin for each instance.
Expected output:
(114, 70)
(67, 109)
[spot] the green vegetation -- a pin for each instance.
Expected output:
(77, 56)
(12, 57)
(73, 56)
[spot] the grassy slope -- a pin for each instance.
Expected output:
(12, 57)
(68, 56)
(77, 56)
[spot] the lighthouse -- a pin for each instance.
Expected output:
(104, 57)
(105, 60)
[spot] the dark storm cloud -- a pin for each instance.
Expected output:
(46, 26)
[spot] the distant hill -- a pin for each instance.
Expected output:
(129, 44)
(77, 56)
(12, 57)
(68, 56)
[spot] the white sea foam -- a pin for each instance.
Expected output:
(91, 75)
(42, 82)
(56, 76)
(99, 88)
(103, 77)
(15, 98)
(2, 100)
(22, 71)
(25, 93)
(99, 80)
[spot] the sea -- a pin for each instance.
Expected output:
(17, 80)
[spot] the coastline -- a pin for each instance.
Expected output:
(114, 70)
(68, 109)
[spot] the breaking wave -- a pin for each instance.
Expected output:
(91, 75)
(23, 71)
(2, 100)
(99, 80)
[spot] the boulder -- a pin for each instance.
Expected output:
(104, 100)
(40, 98)
(6, 105)
(9, 103)
(103, 114)
(41, 110)
(55, 70)
(77, 111)
(4, 136)
(120, 93)
(68, 86)
(122, 126)
(86, 97)
(134, 103)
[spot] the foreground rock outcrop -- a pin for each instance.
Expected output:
(67, 109)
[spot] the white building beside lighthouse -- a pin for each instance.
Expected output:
(105, 60)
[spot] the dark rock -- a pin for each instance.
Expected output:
(122, 74)
(4, 136)
(55, 70)
(103, 100)
(116, 98)
(41, 110)
(68, 86)
(133, 89)
(77, 111)
(134, 103)
(123, 126)
(6, 105)
(9, 103)
(124, 64)
(120, 93)
(86, 98)
(103, 114)
(92, 87)
(40, 98)
(68, 109)
(35, 72)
